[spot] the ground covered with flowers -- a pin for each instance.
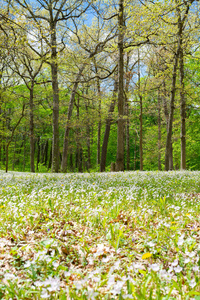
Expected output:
(131, 235)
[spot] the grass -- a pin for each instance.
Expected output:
(131, 235)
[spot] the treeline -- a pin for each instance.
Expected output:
(89, 86)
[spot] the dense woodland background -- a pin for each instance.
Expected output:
(84, 84)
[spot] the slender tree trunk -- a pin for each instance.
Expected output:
(99, 125)
(141, 115)
(31, 124)
(141, 134)
(50, 158)
(13, 164)
(11, 138)
(135, 151)
(171, 162)
(88, 164)
(24, 155)
(54, 75)
(171, 114)
(38, 152)
(120, 122)
(159, 132)
(46, 152)
(183, 108)
(127, 139)
(107, 130)
(69, 114)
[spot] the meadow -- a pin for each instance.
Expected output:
(131, 235)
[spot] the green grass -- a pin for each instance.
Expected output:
(131, 235)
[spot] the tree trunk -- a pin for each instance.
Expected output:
(31, 124)
(107, 130)
(135, 151)
(127, 139)
(141, 115)
(183, 108)
(99, 126)
(46, 153)
(24, 154)
(38, 152)
(54, 75)
(13, 164)
(159, 133)
(120, 122)
(50, 158)
(69, 114)
(171, 114)
(141, 134)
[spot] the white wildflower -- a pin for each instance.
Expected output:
(178, 269)
(155, 267)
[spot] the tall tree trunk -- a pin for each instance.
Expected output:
(38, 152)
(120, 122)
(50, 158)
(46, 152)
(168, 147)
(141, 114)
(107, 129)
(127, 138)
(99, 124)
(54, 75)
(88, 164)
(13, 164)
(24, 154)
(159, 133)
(141, 134)
(12, 135)
(69, 114)
(31, 124)
(135, 151)
(183, 107)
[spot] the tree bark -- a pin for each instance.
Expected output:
(159, 133)
(171, 114)
(120, 122)
(54, 75)
(24, 154)
(183, 107)
(69, 114)
(31, 124)
(38, 152)
(11, 138)
(141, 115)
(107, 129)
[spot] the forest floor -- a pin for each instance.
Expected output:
(131, 235)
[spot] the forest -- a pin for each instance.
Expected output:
(99, 85)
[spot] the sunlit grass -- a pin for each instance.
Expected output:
(131, 235)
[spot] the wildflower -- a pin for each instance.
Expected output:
(44, 294)
(129, 296)
(175, 263)
(151, 244)
(53, 282)
(155, 267)
(191, 254)
(27, 264)
(195, 269)
(166, 275)
(187, 260)
(146, 255)
(181, 240)
(55, 264)
(192, 283)
(105, 259)
(178, 269)
(9, 276)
